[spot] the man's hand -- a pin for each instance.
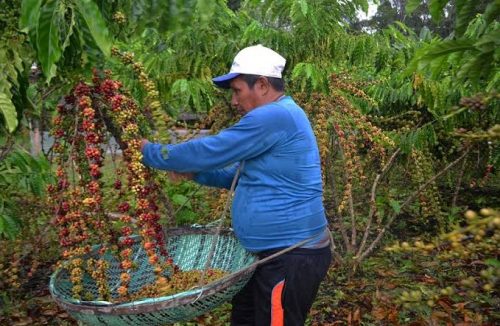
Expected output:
(174, 177)
(177, 177)
(143, 143)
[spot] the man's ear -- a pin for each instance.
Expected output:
(263, 85)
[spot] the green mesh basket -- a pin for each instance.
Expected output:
(189, 249)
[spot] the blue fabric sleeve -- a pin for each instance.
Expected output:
(221, 178)
(248, 138)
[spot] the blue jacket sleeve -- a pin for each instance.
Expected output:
(221, 178)
(251, 136)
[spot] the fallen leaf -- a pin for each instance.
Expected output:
(357, 316)
(439, 316)
(460, 306)
(392, 317)
(386, 273)
(24, 322)
(49, 312)
(44, 299)
(390, 286)
(426, 279)
(63, 315)
(429, 263)
(446, 304)
(379, 313)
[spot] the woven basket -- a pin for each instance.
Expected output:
(189, 249)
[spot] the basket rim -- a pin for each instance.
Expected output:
(146, 305)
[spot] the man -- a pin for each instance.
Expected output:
(278, 198)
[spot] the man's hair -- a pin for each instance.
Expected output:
(277, 83)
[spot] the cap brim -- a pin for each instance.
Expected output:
(224, 81)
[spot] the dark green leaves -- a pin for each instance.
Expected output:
(95, 24)
(436, 9)
(21, 175)
(49, 48)
(472, 56)
(9, 226)
(51, 25)
(447, 47)
(8, 111)
(411, 5)
(205, 9)
(10, 65)
(465, 13)
(30, 10)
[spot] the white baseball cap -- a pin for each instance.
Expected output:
(253, 60)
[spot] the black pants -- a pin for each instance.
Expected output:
(282, 290)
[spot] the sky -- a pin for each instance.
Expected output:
(372, 9)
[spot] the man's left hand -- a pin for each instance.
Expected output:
(143, 143)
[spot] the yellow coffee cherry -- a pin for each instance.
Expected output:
(470, 215)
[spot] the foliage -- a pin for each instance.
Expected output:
(466, 268)
(473, 49)
(21, 176)
(417, 18)
(189, 203)
(12, 67)
(61, 31)
(428, 95)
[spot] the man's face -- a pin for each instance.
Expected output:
(244, 98)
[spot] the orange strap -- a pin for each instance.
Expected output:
(277, 315)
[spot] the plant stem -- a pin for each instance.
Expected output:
(407, 201)
(342, 228)
(373, 207)
(459, 183)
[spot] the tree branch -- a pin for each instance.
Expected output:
(459, 183)
(343, 230)
(407, 201)
(372, 199)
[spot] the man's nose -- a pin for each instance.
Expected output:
(234, 101)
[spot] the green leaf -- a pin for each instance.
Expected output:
(10, 226)
(396, 206)
(365, 6)
(448, 47)
(68, 31)
(91, 53)
(8, 111)
(186, 216)
(465, 13)
(205, 9)
(36, 184)
(436, 9)
(411, 6)
(49, 49)
(2, 225)
(30, 11)
(10, 64)
(179, 199)
(489, 42)
(476, 67)
(425, 34)
(492, 262)
(492, 11)
(95, 22)
(5, 86)
(303, 7)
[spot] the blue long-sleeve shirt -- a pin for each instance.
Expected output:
(278, 199)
